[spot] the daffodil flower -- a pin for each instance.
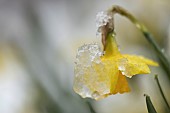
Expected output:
(98, 74)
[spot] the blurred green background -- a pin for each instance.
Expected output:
(38, 44)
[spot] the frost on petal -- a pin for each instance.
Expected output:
(93, 78)
(131, 67)
(88, 54)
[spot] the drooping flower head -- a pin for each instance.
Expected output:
(99, 74)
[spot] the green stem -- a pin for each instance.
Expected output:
(90, 107)
(163, 96)
(117, 9)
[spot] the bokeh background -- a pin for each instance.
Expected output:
(38, 44)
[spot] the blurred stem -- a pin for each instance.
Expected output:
(166, 64)
(163, 96)
(90, 107)
(89, 104)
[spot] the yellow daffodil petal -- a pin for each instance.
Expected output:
(96, 81)
(94, 78)
(130, 68)
(122, 85)
(141, 59)
(119, 82)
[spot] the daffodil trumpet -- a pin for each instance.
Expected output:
(99, 74)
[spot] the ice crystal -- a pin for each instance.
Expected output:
(90, 72)
(102, 19)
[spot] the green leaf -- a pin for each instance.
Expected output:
(149, 104)
(161, 91)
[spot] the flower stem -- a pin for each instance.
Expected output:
(163, 96)
(90, 107)
(166, 64)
